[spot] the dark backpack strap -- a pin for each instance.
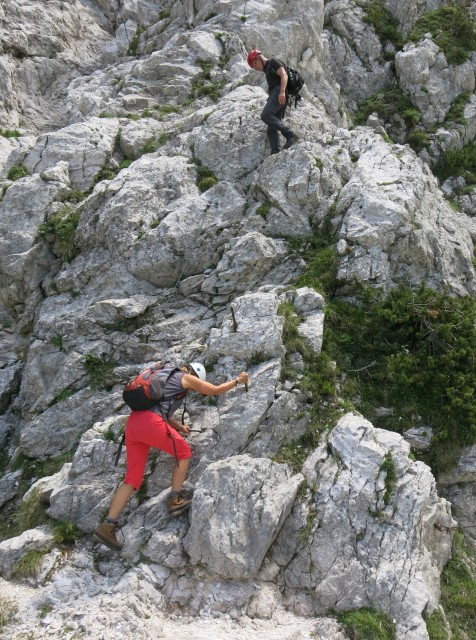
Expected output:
(169, 433)
(118, 454)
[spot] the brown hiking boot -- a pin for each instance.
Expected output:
(106, 533)
(290, 141)
(179, 502)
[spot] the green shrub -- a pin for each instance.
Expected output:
(458, 591)
(66, 533)
(435, 625)
(98, 371)
(389, 103)
(452, 29)
(45, 609)
(458, 162)
(28, 514)
(75, 196)
(63, 225)
(263, 210)
(456, 112)
(166, 109)
(17, 171)
(62, 395)
(152, 145)
(418, 140)
(106, 173)
(321, 271)
(366, 624)
(28, 565)
(383, 22)
(388, 467)
(202, 85)
(57, 341)
(134, 43)
(165, 13)
(205, 176)
(126, 162)
(9, 133)
(412, 351)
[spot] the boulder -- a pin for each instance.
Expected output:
(254, 496)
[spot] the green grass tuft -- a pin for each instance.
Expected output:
(366, 624)
(452, 29)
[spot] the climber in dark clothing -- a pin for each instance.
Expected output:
(275, 108)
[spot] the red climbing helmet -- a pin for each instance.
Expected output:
(252, 56)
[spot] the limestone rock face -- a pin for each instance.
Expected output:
(363, 548)
(255, 496)
(142, 219)
(432, 83)
(41, 47)
(396, 240)
(458, 486)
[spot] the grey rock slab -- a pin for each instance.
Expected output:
(373, 550)
(12, 550)
(86, 147)
(258, 330)
(255, 497)
(9, 484)
(82, 492)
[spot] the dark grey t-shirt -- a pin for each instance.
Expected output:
(173, 387)
(270, 70)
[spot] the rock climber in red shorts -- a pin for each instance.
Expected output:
(152, 428)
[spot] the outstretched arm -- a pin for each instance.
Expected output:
(284, 83)
(208, 389)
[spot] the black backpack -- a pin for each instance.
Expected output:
(295, 83)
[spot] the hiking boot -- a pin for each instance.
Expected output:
(290, 141)
(106, 533)
(274, 152)
(179, 502)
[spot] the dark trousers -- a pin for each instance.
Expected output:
(272, 115)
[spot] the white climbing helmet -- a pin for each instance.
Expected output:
(199, 370)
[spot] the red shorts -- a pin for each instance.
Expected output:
(146, 429)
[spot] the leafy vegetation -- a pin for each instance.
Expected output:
(205, 176)
(388, 467)
(456, 112)
(28, 565)
(458, 162)
(63, 225)
(412, 351)
(98, 371)
(391, 104)
(203, 85)
(384, 23)
(28, 515)
(154, 144)
(263, 210)
(9, 133)
(164, 110)
(165, 13)
(32, 469)
(134, 43)
(366, 624)
(66, 533)
(458, 596)
(17, 171)
(321, 258)
(453, 30)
